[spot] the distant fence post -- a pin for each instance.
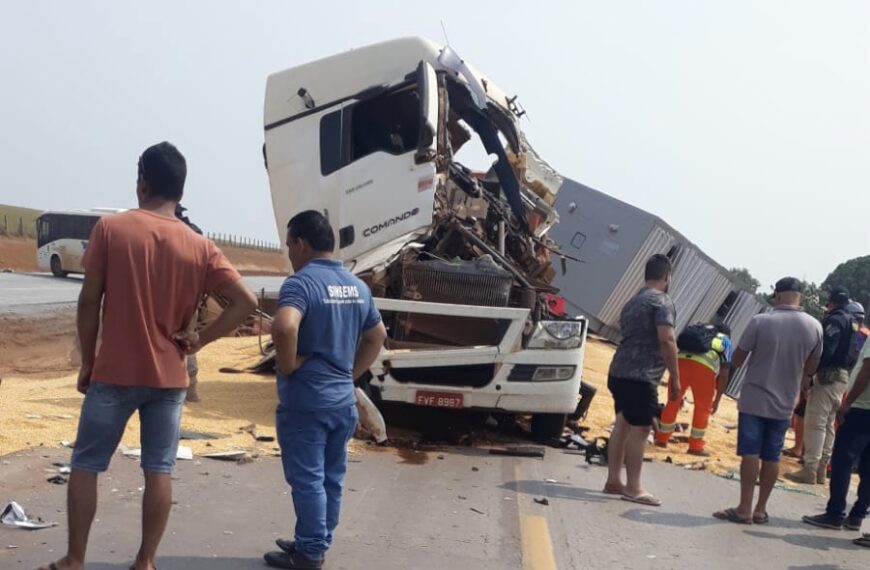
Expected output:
(20, 227)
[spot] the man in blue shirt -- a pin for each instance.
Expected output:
(327, 332)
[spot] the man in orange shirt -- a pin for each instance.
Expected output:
(147, 271)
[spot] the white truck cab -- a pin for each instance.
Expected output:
(458, 259)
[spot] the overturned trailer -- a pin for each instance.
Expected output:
(614, 240)
(458, 258)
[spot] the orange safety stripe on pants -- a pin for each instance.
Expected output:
(702, 381)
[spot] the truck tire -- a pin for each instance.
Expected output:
(56, 267)
(548, 426)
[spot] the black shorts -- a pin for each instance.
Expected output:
(636, 400)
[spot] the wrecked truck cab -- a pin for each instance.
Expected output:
(458, 258)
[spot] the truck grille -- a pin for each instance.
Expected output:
(477, 282)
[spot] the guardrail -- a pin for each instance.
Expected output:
(243, 242)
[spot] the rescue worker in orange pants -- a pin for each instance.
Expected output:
(706, 374)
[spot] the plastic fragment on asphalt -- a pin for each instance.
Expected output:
(15, 516)
(183, 452)
(543, 501)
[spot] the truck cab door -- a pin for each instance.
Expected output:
(388, 184)
(367, 162)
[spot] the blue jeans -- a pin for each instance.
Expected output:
(314, 455)
(851, 445)
(105, 413)
(760, 436)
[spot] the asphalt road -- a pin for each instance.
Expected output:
(457, 508)
(34, 292)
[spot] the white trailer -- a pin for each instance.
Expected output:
(458, 259)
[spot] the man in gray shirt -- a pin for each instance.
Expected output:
(785, 345)
(648, 347)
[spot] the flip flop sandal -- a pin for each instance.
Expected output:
(863, 541)
(645, 499)
(731, 515)
(764, 518)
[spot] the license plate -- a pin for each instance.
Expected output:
(439, 399)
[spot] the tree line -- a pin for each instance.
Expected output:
(853, 274)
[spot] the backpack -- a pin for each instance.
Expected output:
(697, 339)
(856, 345)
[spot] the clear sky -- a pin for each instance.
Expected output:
(743, 123)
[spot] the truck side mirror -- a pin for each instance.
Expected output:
(427, 90)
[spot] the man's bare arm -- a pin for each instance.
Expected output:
(739, 359)
(285, 335)
(240, 304)
(861, 384)
(668, 348)
(810, 368)
(88, 324)
(721, 384)
(369, 348)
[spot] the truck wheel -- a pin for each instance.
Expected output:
(56, 267)
(548, 426)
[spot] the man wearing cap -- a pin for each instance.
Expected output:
(785, 345)
(851, 446)
(828, 388)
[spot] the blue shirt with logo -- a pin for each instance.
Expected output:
(336, 308)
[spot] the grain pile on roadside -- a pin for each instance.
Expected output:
(45, 412)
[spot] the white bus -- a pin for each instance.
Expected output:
(62, 238)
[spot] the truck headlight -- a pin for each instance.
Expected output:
(541, 373)
(557, 334)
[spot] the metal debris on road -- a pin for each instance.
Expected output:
(226, 455)
(58, 480)
(519, 451)
(477, 511)
(543, 501)
(197, 435)
(14, 515)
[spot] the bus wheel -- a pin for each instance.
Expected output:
(56, 267)
(548, 426)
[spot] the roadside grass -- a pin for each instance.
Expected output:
(15, 221)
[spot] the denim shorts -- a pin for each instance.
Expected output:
(759, 436)
(105, 413)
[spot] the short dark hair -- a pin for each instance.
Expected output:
(163, 167)
(313, 227)
(657, 267)
(788, 285)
